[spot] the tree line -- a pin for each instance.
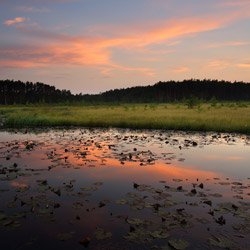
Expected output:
(17, 92)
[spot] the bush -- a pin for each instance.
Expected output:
(192, 102)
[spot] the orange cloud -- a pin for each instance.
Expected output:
(244, 65)
(152, 74)
(15, 20)
(217, 65)
(60, 49)
(180, 69)
(218, 45)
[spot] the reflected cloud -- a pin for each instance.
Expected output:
(225, 158)
(17, 184)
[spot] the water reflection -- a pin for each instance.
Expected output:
(110, 189)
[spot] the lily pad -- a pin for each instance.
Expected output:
(178, 244)
(135, 221)
(159, 234)
(3, 217)
(122, 201)
(65, 236)
(177, 180)
(132, 195)
(101, 234)
(98, 183)
(220, 242)
(11, 224)
(140, 235)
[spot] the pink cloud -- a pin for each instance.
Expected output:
(234, 4)
(53, 1)
(15, 20)
(173, 43)
(31, 9)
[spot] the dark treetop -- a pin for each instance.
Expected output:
(17, 92)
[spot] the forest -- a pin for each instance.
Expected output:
(18, 92)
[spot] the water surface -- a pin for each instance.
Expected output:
(123, 189)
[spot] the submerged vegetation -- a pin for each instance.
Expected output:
(190, 115)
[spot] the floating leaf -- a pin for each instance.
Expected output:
(132, 195)
(42, 182)
(203, 220)
(11, 224)
(43, 211)
(122, 201)
(159, 234)
(89, 188)
(98, 183)
(166, 247)
(241, 228)
(177, 180)
(243, 215)
(220, 242)
(225, 183)
(103, 203)
(100, 234)
(208, 202)
(170, 203)
(82, 195)
(216, 195)
(238, 197)
(3, 217)
(178, 244)
(65, 236)
(135, 221)
(22, 189)
(140, 235)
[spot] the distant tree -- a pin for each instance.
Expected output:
(20, 93)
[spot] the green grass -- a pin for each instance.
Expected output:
(229, 117)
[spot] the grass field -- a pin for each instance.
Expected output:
(224, 117)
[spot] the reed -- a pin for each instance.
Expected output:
(228, 117)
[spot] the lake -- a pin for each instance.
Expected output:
(124, 189)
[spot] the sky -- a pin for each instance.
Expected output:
(90, 46)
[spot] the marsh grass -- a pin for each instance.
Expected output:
(227, 118)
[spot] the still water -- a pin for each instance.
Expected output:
(123, 189)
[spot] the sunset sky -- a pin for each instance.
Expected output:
(90, 46)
